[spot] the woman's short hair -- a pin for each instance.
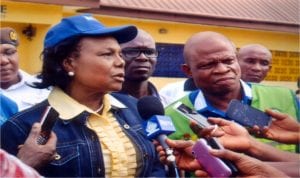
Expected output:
(53, 72)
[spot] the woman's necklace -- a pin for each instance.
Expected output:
(99, 109)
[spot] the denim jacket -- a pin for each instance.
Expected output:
(78, 146)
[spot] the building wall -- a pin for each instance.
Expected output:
(284, 46)
(21, 15)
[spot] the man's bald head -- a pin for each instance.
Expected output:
(254, 48)
(142, 38)
(204, 42)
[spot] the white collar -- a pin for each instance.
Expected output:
(115, 102)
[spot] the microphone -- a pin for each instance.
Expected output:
(157, 125)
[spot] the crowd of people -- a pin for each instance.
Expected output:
(93, 76)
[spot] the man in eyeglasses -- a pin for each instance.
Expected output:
(140, 57)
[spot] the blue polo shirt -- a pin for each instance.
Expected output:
(205, 108)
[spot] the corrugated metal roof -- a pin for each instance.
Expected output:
(273, 15)
(271, 11)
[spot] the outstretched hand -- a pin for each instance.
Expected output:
(183, 153)
(248, 166)
(283, 128)
(231, 135)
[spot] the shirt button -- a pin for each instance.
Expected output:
(99, 170)
(126, 126)
(57, 156)
(146, 155)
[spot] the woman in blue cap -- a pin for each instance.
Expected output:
(98, 134)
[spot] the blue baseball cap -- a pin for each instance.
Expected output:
(86, 25)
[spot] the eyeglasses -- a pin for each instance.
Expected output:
(131, 53)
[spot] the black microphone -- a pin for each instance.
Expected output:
(157, 125)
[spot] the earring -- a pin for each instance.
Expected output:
(71, 74)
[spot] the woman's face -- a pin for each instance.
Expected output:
(99, 66)
(9, 65)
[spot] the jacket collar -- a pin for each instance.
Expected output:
(68, 108)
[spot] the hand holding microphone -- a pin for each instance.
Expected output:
(157, 126)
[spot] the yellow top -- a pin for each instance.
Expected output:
(119, 153)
